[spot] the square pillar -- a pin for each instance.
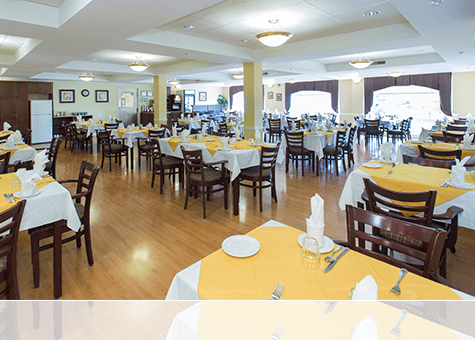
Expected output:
(160, 99)
(252, 98)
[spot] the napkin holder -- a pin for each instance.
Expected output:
(458, 175)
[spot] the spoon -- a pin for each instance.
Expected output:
(330, 258)
(389, 173)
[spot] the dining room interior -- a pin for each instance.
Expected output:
(214, 149)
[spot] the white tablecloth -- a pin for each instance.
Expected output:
(354, 187)
(23, 155)
(130, 137)
(311, 142)
(384, 122)
(237, 159)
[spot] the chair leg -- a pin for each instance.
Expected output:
(102, 163)
(78, 242)
(443, 264)
(153, 177)
(87, 240)
(204, 202)
(35, 259)
(226, 195)
(260, 195)
(162, 181)
(254, 189)
(187, 195)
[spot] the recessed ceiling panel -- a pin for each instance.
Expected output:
(199, 25)
(126, 57)
(54, 3)
(337, 6)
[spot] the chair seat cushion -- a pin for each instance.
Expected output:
(402, 239)
(115, 148)
(299, 150)
(145, 147)
(331, 149)
(253, 172)
(210, 175)
(81, 138)
(168, 162)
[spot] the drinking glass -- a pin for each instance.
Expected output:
(311, 253)
(16, 185)
(251, 141)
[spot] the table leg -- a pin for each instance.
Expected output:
(132, 157)
(235, 185)
(57, 259)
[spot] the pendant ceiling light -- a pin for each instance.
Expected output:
(395, 74)
(357, 80)
(139, 64)
(86, 76)
(360, 63)
(174, 81)
(292, 80)
(238, 75)
(274, 38)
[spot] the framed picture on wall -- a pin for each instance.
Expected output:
(149, 93)
(66, 96)
(202, 96)
(278, 97)
(102, 96)
(143, 93)
(270, 95)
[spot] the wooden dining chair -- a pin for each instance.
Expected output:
(372, 130)
(460, 121)
(439, 154)
(414, 207)
(27, 136)
(79, 140)
(261, 176)
(296, 152)
(348, 146)
(165, 165)
(111, 126)
(113, 148)
(223, 128)
(400, 133)
(52, 154)
(201, 178)
(452, 137)
(451, 127)
(83, 197)
(435, 163)
(431, 240)
(335, 152)
(10, 220)
(275, 130)
(4, 162)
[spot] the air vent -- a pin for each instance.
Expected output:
(265, 73)
(379, 62)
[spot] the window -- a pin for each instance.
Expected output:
(312, 102)
(421, 103)
(238, 102)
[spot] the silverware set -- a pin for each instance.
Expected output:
(331, 265)
(277, 293)
(396, 331)
(396, 288)
(445, 184)
(278, 331)
(389, 173)
(330, 258)
(9, 197)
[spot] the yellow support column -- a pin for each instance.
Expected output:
(252, 98)
(160, 99)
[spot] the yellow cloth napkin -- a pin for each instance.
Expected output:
(211, 146)
(6, 184)
(223, 277)
(18, 147)
(6, 133)
(414, 178)
(443, 147)
(229, 125)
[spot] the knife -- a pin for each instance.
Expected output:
(331, 265)
(8, 198)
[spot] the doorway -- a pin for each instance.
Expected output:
(128, 104)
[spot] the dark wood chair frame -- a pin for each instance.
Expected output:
(275, 129)
(162, 164)
(296, 152)
(400, 133)
(52, 154)
(452, 137)
(456, 127)
(348, 147)
(111, 126)
(107, 141)
(336, 152)
(4, 162)
(79, 139)
(435, 163)
(439, 154)
(372, 129)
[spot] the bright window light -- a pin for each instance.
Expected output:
(311, 102)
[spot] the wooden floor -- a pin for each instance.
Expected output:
(141, 239)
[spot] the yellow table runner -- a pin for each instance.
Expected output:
(5, 133)
(256, 320)
(413, 178)
(443, 147)
(223, 277)
(122, 131)
(439, 133)
(18, 147)
(6, 184)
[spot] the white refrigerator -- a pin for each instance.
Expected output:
(41, 121)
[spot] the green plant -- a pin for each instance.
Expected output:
(223, 101)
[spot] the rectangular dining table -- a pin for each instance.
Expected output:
(21, 153)
(410, 148)
(413, 178)
(51, 204)
(222, 277)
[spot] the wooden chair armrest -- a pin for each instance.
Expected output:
(81, 194)
(61, 181)
(449, 214)
(440, 279)
(342, 243)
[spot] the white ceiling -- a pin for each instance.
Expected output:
(104, 36)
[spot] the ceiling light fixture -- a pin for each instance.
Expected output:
(360, 63)
(174, 81)
(395, 74)
(292, 80)
(86, 77)
(274, 38)
(139, 64)
(436, 2)
(371, 13)
(188, 27)
(357, 80)
(238, 75)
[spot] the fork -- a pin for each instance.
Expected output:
(277, 291)
(278, 331)
(396, 331)
(396, 288)
(389, 173)
(11, 196)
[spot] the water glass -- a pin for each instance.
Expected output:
(311, 253)
(251, 141)
(16, 185)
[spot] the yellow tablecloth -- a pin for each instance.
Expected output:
(17, 147)
(122, 131)
(439, 133)
(443, 147)
(5, 188)
(256, 320)
(213, 143)
(5, 133)
(413, 178)
(223, 277)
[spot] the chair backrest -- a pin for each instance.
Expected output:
(439, 154)
(351, 136)
(223, 127)
(274, 125)
(4, 161)
(290, 121)
(340, 139)
(371, 125)
(27, 136)
(432, 239)
(156, 151)
(156, 134)
(437, 138)
(459, 121)
(294, 139)
(193, 163)
(435, 163)
(87, 178)
(451, 127)
(268, 159)
(452, 137)
(391, 203)
(111, 126)
(11, 220)
(53, 154)
(104, 137)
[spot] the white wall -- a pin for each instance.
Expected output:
(212, 93)
(273, 104)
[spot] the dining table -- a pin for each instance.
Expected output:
(413, 178)
(51, 203)
(90, 126)
(243, 154)
(243, 276)
(255, 320)
(20, 153)
(316, 141)
(410, 148)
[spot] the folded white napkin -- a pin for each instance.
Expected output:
(121, 126)
(6, 126)
(174, 130)
(11, 142)
(446, 119)
(237, 130)
(130, 128)
(79, 118)
(203, 129)
(294, 125)
(156, 126)
(316, 222)
(148, 126)
(18, 137)
(458, 171)
(110, 118)
(314, 126)
(386, 150)
(27, 179)
(40, 161)
(366, 289)
(258, 137)
(366, 330)
(471, 126)
(424, 135)
(467, 141)
(184, 134)
(90, 120)
(182, 116)
(224, 143)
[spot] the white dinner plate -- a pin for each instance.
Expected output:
(20, 195)
(241, 246)
(372, 165)
(327, 246)
(466, 186)
(413, 141)
(210, 139)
